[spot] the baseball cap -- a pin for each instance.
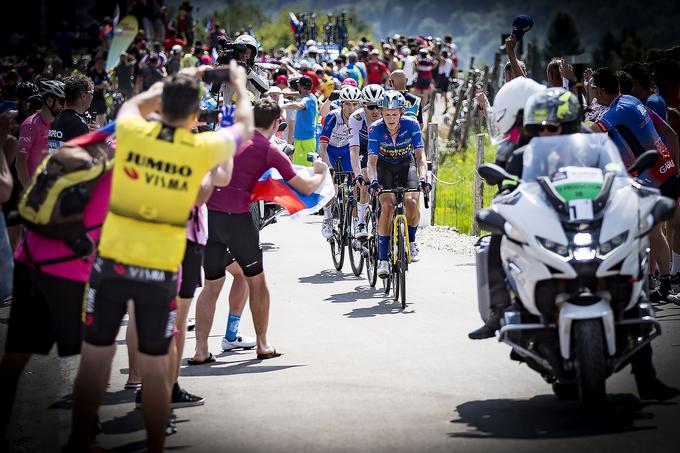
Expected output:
(282, 79)
(304, 64)
(313, 49)
(522, 24)
(375, 52)
(274, 90)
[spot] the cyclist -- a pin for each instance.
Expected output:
(334, 143)
(358, 146)
(33, 131)
(396, 155)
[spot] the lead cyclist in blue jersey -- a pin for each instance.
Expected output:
(396, 156)
(334, 144)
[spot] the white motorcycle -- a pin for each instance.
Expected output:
(575, 252)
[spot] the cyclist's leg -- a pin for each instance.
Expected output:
(387, 204)
(408, 176)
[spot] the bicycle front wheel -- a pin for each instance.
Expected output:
(401, 263)
(338, 240)
(356, 257)
(370, 247)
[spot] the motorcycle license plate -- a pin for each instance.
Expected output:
(580, 210)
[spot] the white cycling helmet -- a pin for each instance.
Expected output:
(392, 99)
(52, 88)
(509, 101)
(370, 94)
(350, 93)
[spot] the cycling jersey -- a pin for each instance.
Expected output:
(408, 139)
(657, 104)
(630, 125)
(358, 130)
(33, 140)
(67, 125)
(156, 177)
(336, 133)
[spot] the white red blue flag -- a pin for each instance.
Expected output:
(272, 187)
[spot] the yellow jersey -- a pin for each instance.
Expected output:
(156, 178)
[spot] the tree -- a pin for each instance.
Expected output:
(563, 38)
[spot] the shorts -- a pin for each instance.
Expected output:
(302, 148)
(98, 105)
(442, 83)
(191, 270)
(342, 155)
(232, 238)
(670, 188)
(423, 84)
(45, 310)
(404, 174)
(154, 293)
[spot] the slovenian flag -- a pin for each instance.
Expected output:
(97, 136)
(294, 23)
(272, 187)
(209, 25)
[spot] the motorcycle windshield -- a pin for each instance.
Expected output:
(548, 156)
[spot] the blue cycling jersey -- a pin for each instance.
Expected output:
(630, 125)
(335, 131)
(409, 138)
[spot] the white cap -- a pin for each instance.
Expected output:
(312, 49)
(274, 89)
(176, 48)
(405, 51)
(311, 42)
(375, 52)
(304, 64)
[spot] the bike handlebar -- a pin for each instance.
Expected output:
(426, 195)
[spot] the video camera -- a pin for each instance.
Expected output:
(229, 50)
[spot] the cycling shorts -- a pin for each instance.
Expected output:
(154, 293)
(45, 310)
(403, 174)
(232, 238)
(191, 270)
(342, 155)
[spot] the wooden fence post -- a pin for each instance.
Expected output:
(479, 184)
(433, 156)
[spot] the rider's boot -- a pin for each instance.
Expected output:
(490, 327)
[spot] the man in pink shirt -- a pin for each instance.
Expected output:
(33, 132)
(49, 287)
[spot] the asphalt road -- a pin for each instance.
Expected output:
(360, 374)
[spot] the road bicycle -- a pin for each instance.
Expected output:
(343, 209)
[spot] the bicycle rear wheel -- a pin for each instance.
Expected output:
(338, 240)
(401, 263)
(371, 246)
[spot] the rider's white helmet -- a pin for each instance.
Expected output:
(509, 101)
(370, 94)
(350, 93)
(248, 40)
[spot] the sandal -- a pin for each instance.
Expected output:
(211, 358)
(269, 355)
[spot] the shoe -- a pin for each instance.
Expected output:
(172, 424)
(239, 342)
(182, 398)
(675, 279)
(355, 226)
(488, 330)
(327, 228)
(138, 399)
(383, 269)
(657, 297)
(414, 252)
(654, 389)
(361, 232)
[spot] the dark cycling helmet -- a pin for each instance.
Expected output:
(392, 99)
(553, 107)
(26, 89)
(52, 88)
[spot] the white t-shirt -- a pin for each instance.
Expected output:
(410, 69)
(446, 68)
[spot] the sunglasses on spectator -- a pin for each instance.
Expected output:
(371, 107)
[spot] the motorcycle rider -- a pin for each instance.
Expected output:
(258, 82)
(556, 111)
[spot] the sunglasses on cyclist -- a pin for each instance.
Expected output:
(371, 107)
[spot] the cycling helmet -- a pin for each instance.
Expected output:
(350, 93)
(52, 88)
(554, 106)
(26, 89)
(371, 94)
(392, 99)
(349, 82)
(507, 105)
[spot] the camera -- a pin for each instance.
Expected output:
(228, 50)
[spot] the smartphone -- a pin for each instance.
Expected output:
(219, 75)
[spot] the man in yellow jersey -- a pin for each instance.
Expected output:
(157, 175)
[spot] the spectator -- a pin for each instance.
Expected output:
(175, 61)
(642, 88)
(305, 70)
(305, 121)
(151, 73)
(100, 79)
(376, 69)
(172, 40)
(123, 75)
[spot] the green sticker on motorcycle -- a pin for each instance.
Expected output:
(580, 190)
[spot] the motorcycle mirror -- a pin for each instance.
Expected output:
(283, 126)
(663, 210)
(644, 161)
(493, 174)
(490, 220)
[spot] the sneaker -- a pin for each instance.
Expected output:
(383, 269)
(327, 228)
(414, 252)
(239, 342)
(182, 398)
(361, 232)
(172, 424)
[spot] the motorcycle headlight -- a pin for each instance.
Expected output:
(554, 247)
(613, 243)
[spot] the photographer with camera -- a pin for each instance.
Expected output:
(244, 51)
